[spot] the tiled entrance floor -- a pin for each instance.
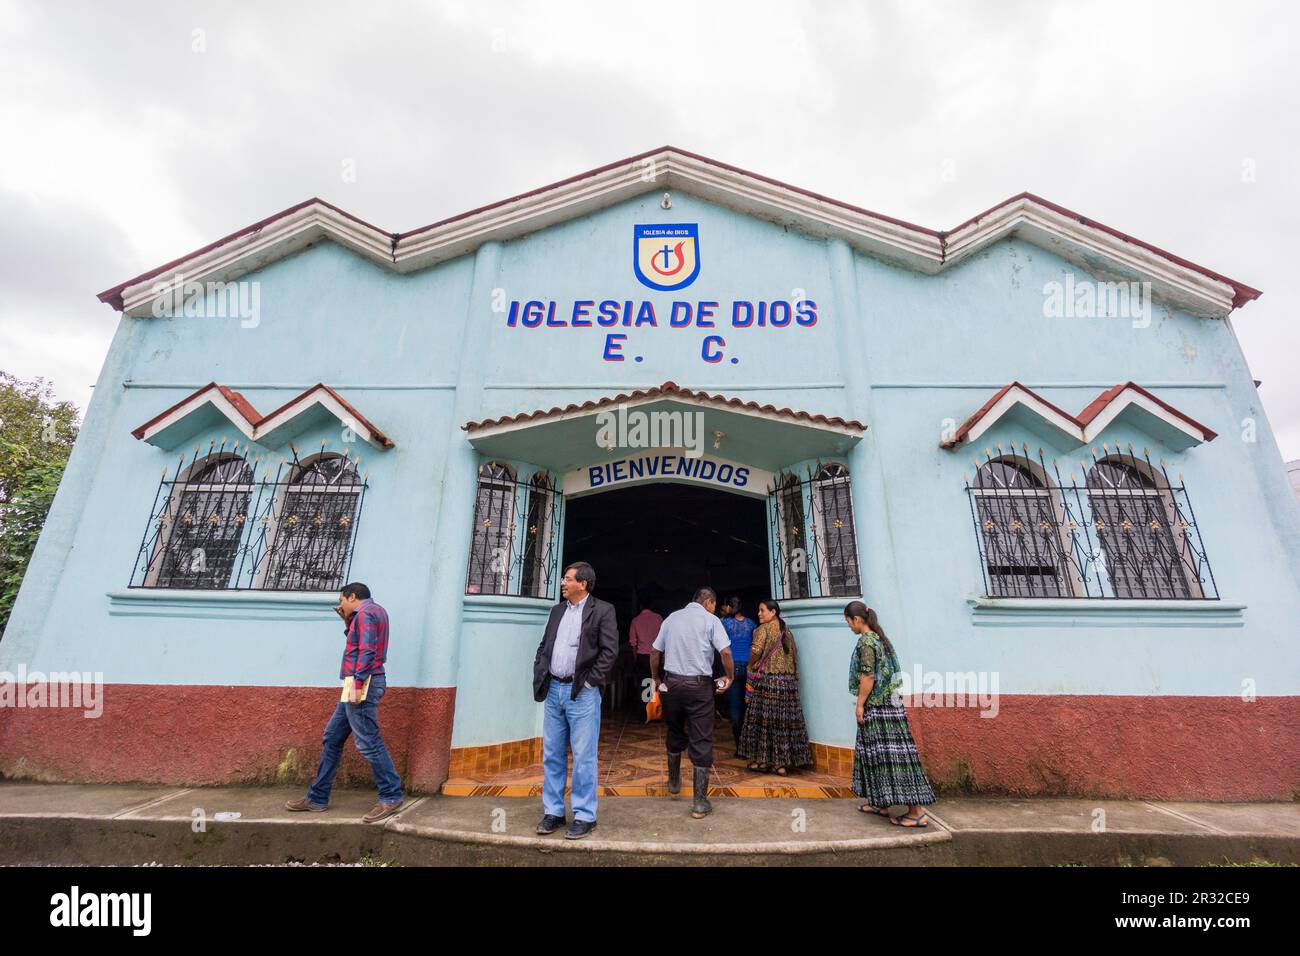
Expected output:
(632, 764)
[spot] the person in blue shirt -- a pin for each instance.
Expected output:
(741, 631)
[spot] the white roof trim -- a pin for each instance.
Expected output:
(1076, 242)
(1084, 434)
(668, 169)
(1017, 396)
(330, 404)
(211, 397)
(258, 431)
(1128, 397)
(548, 418)
(243, 254)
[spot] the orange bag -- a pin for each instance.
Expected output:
(654, 710)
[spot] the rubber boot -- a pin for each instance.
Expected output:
(674, 774)
(700, 806)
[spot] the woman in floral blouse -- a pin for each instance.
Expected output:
(774, 736)
(886, 768)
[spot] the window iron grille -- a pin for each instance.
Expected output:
(1119, 528)
(514, 546)
(813, 531)
(225, 521)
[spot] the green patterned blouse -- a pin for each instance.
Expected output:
(870, 659)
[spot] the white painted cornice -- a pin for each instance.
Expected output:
(1096, 248)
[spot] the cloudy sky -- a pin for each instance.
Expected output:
(137, 132)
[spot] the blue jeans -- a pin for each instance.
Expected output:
(735, 695)
(363, 721)
(570, 724)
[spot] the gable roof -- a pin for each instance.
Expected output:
(674, 419)
(209, 404)
(1081, 240)
(1155, 415)
(667, 390)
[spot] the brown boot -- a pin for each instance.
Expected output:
(300, 805)
(382, 811)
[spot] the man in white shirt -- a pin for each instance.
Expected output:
(575, 658)
(684, 648)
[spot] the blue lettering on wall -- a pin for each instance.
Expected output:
(682, 314)
(608, 313)
(613, 349)
(666, 466)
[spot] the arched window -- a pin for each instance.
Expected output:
(491, 546)
(312, 536)
(1141, 536)
(792, 543)
(539, 538)
(837, 544)
(1020, 526)
(202, 525)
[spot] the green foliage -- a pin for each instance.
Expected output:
(36, 436)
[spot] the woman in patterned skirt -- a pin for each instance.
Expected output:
(774, 735)
(886, 768)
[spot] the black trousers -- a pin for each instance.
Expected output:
(688, 716)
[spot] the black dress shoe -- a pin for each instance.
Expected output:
(549, 824)
(579, 829)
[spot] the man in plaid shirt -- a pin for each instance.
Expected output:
(366, 629)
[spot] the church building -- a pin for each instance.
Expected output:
(1031, 442)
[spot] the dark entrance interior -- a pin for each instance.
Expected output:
(653, 545)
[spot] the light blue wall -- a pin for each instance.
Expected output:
(421, 354)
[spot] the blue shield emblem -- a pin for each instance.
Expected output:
(666, 257)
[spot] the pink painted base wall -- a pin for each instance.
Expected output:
(1165, 748)
(1194, 748)
(205, 736)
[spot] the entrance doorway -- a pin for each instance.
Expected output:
(652, 546)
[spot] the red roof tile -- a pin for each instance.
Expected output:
(1106, 397)
(361, 419)
(1091, 411)
(245, 408)
(242, 405)
(1242, 293)
(667, 389)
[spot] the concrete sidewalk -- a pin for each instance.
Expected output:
(101, 825)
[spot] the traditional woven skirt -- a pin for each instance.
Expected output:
(774, 731)
(886, 768)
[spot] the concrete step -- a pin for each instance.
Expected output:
(101, 825)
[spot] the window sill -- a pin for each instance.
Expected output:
(1102, 612)
(223, 605)
(505, 609)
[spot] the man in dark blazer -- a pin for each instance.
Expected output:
(574, 660)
